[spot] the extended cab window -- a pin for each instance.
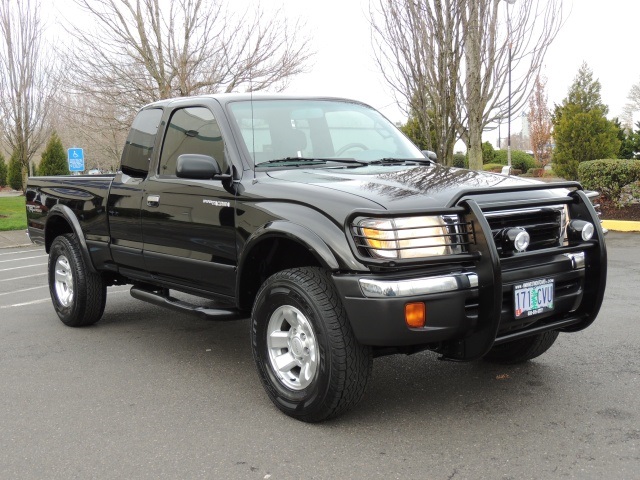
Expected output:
(191, 130)
(139, 145)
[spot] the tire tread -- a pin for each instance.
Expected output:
(91, 292)
(352, 360)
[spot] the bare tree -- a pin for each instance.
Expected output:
(27, 82)
(493, 50)
(81, 121)
(138, 51)
(492, 46)
(540, 123)
(632, 106)
(419, 53)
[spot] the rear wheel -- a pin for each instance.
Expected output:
(307, 357)
(79, 295)
(520, 351)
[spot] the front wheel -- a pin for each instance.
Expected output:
(78, 295)
(522, 350)
(307, 357)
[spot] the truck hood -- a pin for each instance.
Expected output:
(403, 187)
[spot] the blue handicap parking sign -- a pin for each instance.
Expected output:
(76, 159)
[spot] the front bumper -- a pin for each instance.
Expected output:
(375, 304)
(469, 308)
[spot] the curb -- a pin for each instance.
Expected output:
(621, 225)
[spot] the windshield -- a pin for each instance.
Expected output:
(275, 130)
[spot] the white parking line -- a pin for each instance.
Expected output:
(48, 299)
(23, 258)
(20, 251)
(24, 290)
(24, 266)
(33, 302)
(23, 277)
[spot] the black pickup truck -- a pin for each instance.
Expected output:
(340, 239)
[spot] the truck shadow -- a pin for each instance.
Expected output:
(419, 387)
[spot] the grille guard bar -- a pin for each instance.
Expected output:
(488, 269)
(486, 262)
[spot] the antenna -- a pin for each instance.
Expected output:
(253, 130)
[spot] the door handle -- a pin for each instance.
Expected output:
(153, 201)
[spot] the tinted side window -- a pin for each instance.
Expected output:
(139, 145)
(191, 130)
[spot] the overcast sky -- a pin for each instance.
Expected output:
(602, 33)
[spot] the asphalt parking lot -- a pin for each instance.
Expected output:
(148, 393)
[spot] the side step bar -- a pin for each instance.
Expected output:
(167, 301)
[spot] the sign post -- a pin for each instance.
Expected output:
(76, 159)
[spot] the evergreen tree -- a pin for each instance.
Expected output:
(14, 172)
(414, 130)
(630, 146)
(54, 159)
(488, 153)
(581, 129)
(3, 172)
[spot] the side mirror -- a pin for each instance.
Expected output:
(195, 166)
(430, 155)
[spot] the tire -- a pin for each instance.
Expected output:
(307, 357)
(522, 350)
(78, 295)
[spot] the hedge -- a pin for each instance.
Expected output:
(492, 167)
(617, 180)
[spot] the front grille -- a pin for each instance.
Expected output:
(544, 225)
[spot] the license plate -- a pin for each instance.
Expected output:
(533, 298)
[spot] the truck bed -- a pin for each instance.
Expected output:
(84, 195)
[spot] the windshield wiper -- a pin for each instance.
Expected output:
(351, 161)
(401, 161)
(293, 159)
(313, 160)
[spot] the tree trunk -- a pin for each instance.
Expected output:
(475, 105)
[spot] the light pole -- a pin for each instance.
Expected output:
(509, 2)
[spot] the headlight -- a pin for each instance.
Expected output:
(407, 237)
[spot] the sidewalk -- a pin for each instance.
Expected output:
(14, 238)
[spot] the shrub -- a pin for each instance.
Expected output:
(519, 160)
(54, 158)
(617, 180)
(535, 172)
(488, 153)
(492, 167)
(460, 160)
(500, 156)
(14, 172)
(3, 172)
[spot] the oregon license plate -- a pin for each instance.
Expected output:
(533, 298)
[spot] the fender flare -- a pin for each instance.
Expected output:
(70, 217)
(293, 231)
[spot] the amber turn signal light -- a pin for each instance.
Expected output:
(415, 314)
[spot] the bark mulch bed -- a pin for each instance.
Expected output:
(631, 212)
